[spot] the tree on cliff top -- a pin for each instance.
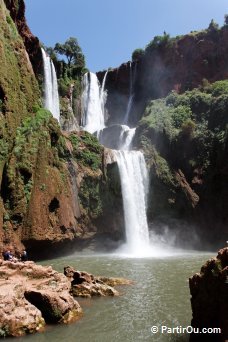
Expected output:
(72, 51)
(213, 26)
(226, 20)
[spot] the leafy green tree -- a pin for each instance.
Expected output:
(72, 51)
(159, 41)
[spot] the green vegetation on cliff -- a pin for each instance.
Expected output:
(19, 94)
(18, 87)
(36, 134)
(88, 154)
(187, 132)
(87, 150)
(165, 41)
(194, 115)
(52, 184)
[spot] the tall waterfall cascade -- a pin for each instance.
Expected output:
(131, 164)
(134, 185)
(93, 103)
(51, 95)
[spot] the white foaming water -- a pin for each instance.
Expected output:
(134, 184)
(51, 95)
(93, 103)
(103, 95)
(126, 137)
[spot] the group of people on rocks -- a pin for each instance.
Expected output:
(8, 256)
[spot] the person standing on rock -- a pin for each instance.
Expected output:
(8, 256)
(24, 255)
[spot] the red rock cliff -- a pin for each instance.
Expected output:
(180, 64)
(32, 44)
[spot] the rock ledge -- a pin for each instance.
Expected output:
(32, 295)
(209, 290)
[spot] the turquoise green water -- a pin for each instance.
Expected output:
(160, 296)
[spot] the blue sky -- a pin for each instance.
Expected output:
(109, 31)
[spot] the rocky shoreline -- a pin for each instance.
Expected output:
(32, 295)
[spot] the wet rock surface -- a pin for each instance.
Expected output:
(84, 284)
(209, 290)
(32, 295)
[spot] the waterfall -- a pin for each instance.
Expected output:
(131, 164)
(51, 95)
(103, 95)
(134, 186)
(93, 103)
(131, 93)
(134, 182)
(129, 106)
(126, 137)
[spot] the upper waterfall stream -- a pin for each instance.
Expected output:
(93, 102)
(51, 95)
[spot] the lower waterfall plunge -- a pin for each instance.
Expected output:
(134, 185)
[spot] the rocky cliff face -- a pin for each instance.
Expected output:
(182, 131)
(178, 64)
(184, 138)
(57, 189)
(54, 188)
(32, 44)
(210, 298)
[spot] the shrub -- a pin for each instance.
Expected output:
(179, 115)
(87, 150)
(188, 127)
(218, 88)
(158, 41)
(137, 54)
(75, 140)
(64, 84)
